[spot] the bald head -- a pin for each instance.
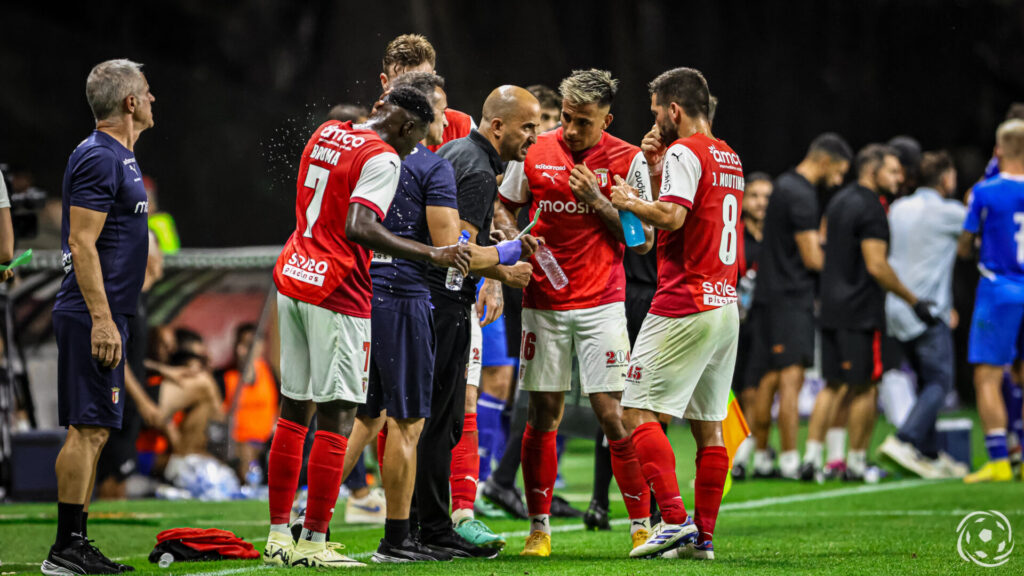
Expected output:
(510, 118)
(507, 102)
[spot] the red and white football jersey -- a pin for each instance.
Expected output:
(697, 264)
(459, 126)
(319, 264)
(581, 243)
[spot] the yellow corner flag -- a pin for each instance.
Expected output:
(734, 432)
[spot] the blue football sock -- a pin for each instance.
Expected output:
(995, 442)
(488, 421)
(1013, 398)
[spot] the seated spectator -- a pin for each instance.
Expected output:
(252, 408)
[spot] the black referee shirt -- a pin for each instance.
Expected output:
(792, 208)
(477, 165)
(850, 297)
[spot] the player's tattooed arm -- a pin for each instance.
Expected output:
(583, 183)
(490, 303)
(662, 215)
(364, 227)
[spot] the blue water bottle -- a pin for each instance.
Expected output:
(632, 229)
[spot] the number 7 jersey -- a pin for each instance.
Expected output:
(340, 165)
(697, 263)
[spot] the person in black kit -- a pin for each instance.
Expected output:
(510, 117)
(757, 190)
(782, 318)
(853, 284)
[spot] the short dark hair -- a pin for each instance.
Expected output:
(425, 82)
(413, 101)
(872, 156)
(686, 87)
(243, 329)
(547, 97)
(1015, 111)
(348, 113)
(831, 144)
(186, 336)
(407, 51)
(757, 177)
(933, 166)
(908, 150)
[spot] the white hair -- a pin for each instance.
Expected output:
(109, 83)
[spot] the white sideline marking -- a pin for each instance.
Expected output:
(749, 504)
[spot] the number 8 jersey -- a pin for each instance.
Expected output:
(340, 165)
(697, 263)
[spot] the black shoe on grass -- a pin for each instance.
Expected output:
(409, 551)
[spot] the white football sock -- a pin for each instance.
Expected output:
(857, 462)
(540, 522)
(835, 439)
(762, 462)
(743, 452)
(789, 463)
(461, 514)
(639, 523)
(812, 453)
(317, 537)
(281, 529)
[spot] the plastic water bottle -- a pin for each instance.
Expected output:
(166, 559)
(550, 267)
(454, 280)
(632, 228)
(253, 479)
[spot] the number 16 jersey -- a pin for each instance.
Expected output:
(697, 263)
(319, 265)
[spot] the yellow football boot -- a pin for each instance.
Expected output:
(538, 544)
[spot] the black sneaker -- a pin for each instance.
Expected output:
(739, 472)
(560, 508)
(596, 517)
(409, 551)
(457, 546)
(508, 499)
(810, 473)
(296, 526)
(79, 557)
(774, 473)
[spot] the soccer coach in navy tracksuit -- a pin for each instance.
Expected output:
(105, 244)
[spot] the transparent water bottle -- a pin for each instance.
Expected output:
(550, 267)
(454, 279)
(166, 559)
(632, 228)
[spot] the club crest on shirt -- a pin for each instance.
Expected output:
(602, 177)
(115, 394)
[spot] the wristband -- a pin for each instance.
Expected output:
(509, 252)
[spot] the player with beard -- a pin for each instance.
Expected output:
(854, 280)
(683, 361)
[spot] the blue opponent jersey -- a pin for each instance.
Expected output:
(996, 213)
(102, 175)
(426, 180)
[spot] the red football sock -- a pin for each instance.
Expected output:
(712, 468)
(658, 465)
(540, 468)
(626, 469)
(283, 468)
(465, 466)
(382, 442)
(324, 470)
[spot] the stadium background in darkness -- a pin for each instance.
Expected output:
(240, 85)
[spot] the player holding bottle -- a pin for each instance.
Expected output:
(568, 175)
(684, 357)
(347, 179)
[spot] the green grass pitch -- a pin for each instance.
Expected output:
(899, 526)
